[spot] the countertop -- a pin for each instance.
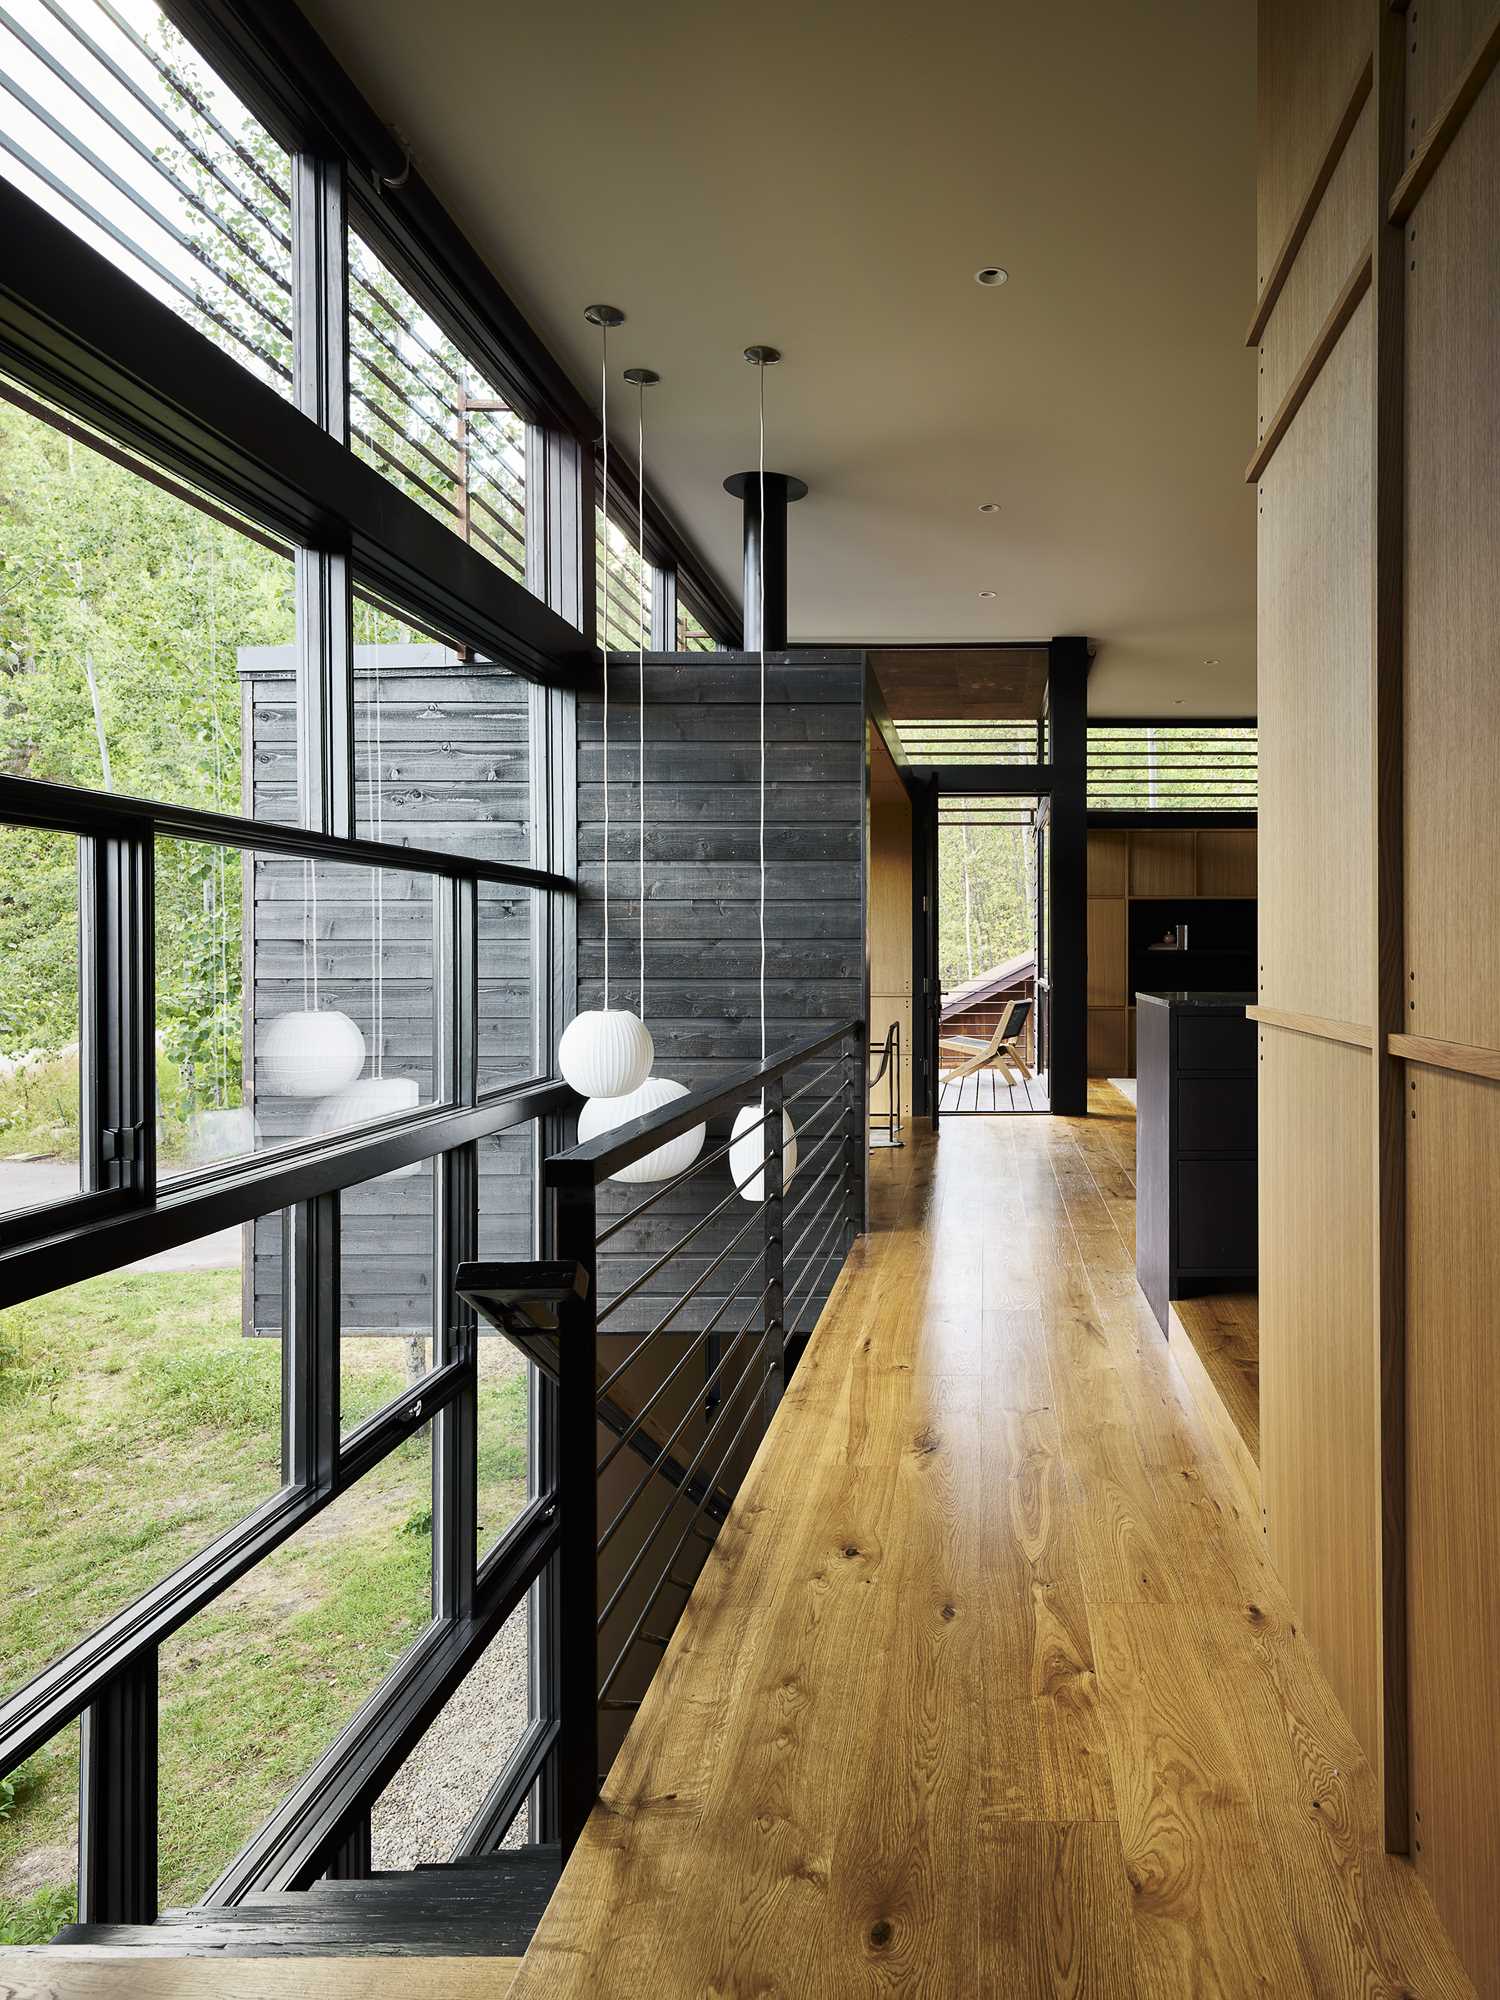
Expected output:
(1218, 1003)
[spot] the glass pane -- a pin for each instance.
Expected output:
(258, 1685)
(423, 415)
(39, 1018)
(691, 636)
(943, 741)
(509, 1025)
(442, 743)
(386, 1289)
(39, 1843)
(114, 124)
(1199, 766)
(341, 1026)
(507, 1381)
(132, 617)
(423, 1813)
(143, 1412)
(623, 584)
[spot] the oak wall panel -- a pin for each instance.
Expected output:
(1338, 234)
(1440, 36)
(1453, 1503)
(1452, 667)
(1307, 58)
(1319, 1391)
(1162, 863)
(1226, 861)
(1109, 863)
(1107, 951)
(1313, 627)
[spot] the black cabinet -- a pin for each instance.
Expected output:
(1195, 1219)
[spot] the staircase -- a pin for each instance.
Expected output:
(485, 1906)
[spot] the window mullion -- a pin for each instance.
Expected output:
(117, 1799)
(310, 1344)
(455, 1505)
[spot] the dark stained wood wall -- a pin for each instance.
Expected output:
(702, 953)
(454, 775)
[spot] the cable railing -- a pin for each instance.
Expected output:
(673, 1348)
(886, 1120)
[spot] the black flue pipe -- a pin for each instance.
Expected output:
(765, 553)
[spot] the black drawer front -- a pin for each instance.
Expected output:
(1216, 1114)
(1216, 1042)
(1217, 1228)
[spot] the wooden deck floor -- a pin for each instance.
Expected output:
(987, 1689)
(986, 1090)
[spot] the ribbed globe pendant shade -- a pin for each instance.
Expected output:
(604, 1114)
(309, 1053)
(747, 1152)
(362, 1103)
(605, 1052)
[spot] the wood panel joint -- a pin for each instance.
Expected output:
(1354, 288)
(1333, 152)
(1445, 128)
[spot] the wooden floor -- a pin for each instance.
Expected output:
(1216, 1343)
(987, 1688)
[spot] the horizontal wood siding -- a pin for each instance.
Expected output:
(702, 808)
(455, 774)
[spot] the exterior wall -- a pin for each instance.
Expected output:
(455, 774)
(702, 950)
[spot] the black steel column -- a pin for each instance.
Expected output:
(765, 553)
(1067, 881)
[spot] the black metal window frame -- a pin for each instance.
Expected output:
(659, 545)
(86, 338)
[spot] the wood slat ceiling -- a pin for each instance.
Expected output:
(936, 683)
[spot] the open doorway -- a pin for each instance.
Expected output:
(991, 954)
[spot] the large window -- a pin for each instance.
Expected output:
(623, 586)
(113, 124)
(421, 413)
(1173, 767)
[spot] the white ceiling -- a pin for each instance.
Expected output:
(827, 178)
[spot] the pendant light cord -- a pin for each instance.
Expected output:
(640, 769)
(761, 606)
(602, 615)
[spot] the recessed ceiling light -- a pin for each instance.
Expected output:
(1210, 663)
(986, 593)
(992, 274)
(989, 506)
(1177, 701)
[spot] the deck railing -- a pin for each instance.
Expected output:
(673, 1355)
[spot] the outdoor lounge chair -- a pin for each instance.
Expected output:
(1001, 1051)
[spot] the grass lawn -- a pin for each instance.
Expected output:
(140, 1425)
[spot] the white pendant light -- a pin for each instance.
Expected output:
(747, 1151)
(605, 1051)
(372, 1097)
(751, 1149)
(604, 1114)
(310, 1052)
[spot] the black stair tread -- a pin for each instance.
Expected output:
(486, 1902)
(359, 1935)
(538, 1857)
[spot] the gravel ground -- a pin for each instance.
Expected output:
(440, 1787)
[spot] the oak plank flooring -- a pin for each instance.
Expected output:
(988, 1687)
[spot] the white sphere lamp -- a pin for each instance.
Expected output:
(604, 1114)
(225, 1132)
(605, 1053)
(747, 1151)
(362, 1103)
(308, 1053)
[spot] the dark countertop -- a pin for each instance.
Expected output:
(1218, 1003)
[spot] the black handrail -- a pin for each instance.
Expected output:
(596, 1159)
